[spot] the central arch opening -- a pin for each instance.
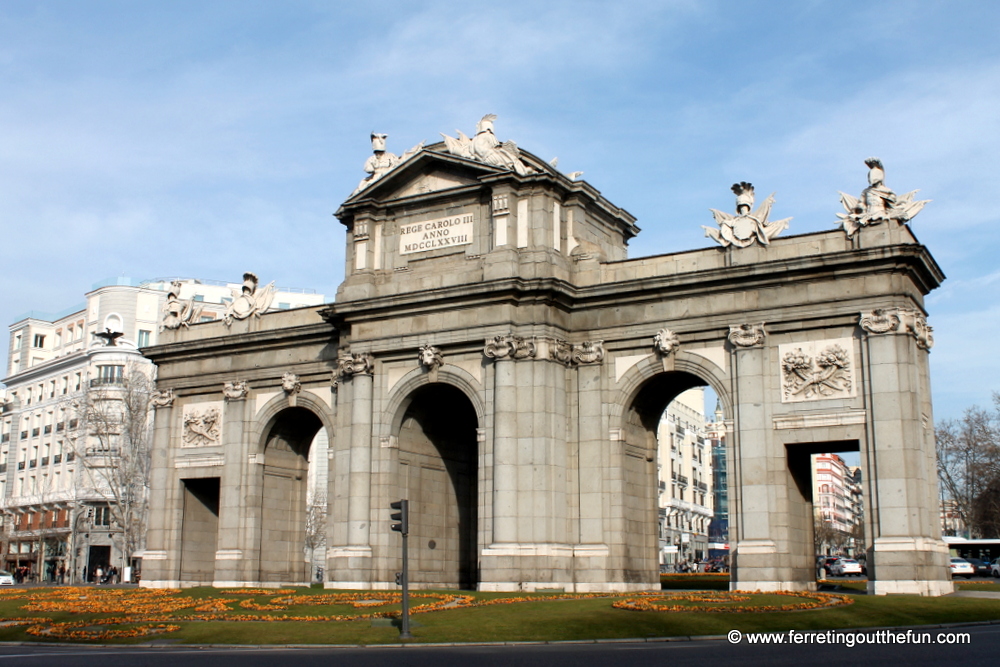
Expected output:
(668, 474)
(438, 473)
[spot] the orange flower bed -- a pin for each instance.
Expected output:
(654, 601)
(143, 612)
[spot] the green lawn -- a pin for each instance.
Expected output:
(537, 617)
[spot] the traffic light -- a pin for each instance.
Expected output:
(402, 515)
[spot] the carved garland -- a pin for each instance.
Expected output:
(236, 390)
(162, 399)
(509, 347)
(899, 320)
(356, 363)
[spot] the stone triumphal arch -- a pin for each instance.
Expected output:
(494, 356)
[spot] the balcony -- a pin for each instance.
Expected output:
(32, 463)
(102, 451)
(73, 423)
(107, 382)
(57, 459)
(24, 435)
(35, 431)
(70, 456)
(60, 426)
(45, 460)
(20, 465)
(47, 430)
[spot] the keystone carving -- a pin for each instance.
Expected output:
(430, 357)
(747, 335)
(162, 399)
(509, 347)
(666, 342)
(290, 383)
(357, 363)
(236, 390)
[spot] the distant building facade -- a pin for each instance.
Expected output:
(57, 520)
(685, 481)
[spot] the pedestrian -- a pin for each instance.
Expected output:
(98, 575)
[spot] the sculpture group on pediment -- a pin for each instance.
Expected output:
(382, 161)
(178, 313)
(877, 203)
(745, 228)
(249, 300)
(486, 148)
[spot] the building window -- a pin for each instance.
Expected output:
(17, 341)
(102, 516)
(58, 342)
(199, 297)
(110, 374)
(39, 340)
(144, 338)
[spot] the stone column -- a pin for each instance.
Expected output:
(161, 560)
(758, 489)
(350, 564)
(591, 553)
(504, 453)
(237, 555)
(907, 554)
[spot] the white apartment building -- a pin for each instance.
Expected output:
(56, 517)
(838, 497)
(685, 480)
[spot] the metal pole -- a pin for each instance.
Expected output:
(405, 629)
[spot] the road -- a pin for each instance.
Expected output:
(982, 649)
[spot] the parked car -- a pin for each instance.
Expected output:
(845, 567)
(995, 567)
(982, 569)
(962, 568)
(6, 578)
(825, 563)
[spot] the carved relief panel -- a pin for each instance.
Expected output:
(817, 370)
(201, 424)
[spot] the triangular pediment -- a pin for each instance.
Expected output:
(427, 171)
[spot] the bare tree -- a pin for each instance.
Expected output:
(315, 526)
(826, 537)
(968, 453)
(116, 451)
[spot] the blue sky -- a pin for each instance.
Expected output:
(207, 139)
